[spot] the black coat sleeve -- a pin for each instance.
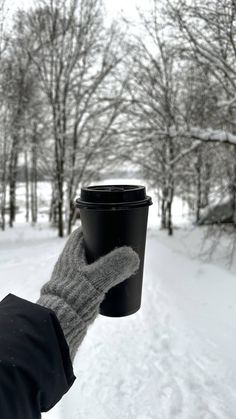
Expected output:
(35, 365)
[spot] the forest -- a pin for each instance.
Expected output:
(80, 94)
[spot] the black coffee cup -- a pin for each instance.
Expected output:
(114, 216)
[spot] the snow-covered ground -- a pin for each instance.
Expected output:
(175, 358)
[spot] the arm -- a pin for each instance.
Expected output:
(35, 365)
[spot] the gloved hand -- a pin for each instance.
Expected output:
(76, 288)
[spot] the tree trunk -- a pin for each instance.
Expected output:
(199, 185)
(59, 139)
(60, 202)
(26, 187)
(170, 190)
(60, 216)
(60, 197)
(169, 203)
(34, 179)
(12, 181)
(71, 217)
(53, 209)
(169, 222)
(233, 188)
(3, 206)
(4, 183)
(3, 202)
(206, 188)
(34, 203)
(163, 213)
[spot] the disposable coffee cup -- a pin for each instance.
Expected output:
(114, 216)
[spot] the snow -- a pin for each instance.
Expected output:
(175, 358)
(213, 135)
(197, 133)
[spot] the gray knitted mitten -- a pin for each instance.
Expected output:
(76, 288)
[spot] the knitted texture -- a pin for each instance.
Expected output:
(76, 288)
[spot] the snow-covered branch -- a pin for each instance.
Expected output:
(213, 135)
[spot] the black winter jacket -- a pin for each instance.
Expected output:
(35, 365)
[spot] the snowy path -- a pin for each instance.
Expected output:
(174, 359)
(159, 363)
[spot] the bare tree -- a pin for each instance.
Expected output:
(17, 84)
(75, 57)
(207, 34)
(3, 119)
(156, 115)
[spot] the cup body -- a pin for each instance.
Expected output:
(105, 228)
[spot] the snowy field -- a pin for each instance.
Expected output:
(175, 358)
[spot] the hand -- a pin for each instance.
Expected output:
(76, 288)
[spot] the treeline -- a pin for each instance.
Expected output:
(79, 95)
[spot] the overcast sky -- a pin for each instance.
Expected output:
(126, 7)
(114, 8)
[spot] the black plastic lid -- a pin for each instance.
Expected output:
(106, 196)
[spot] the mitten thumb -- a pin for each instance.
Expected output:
(113, 268)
